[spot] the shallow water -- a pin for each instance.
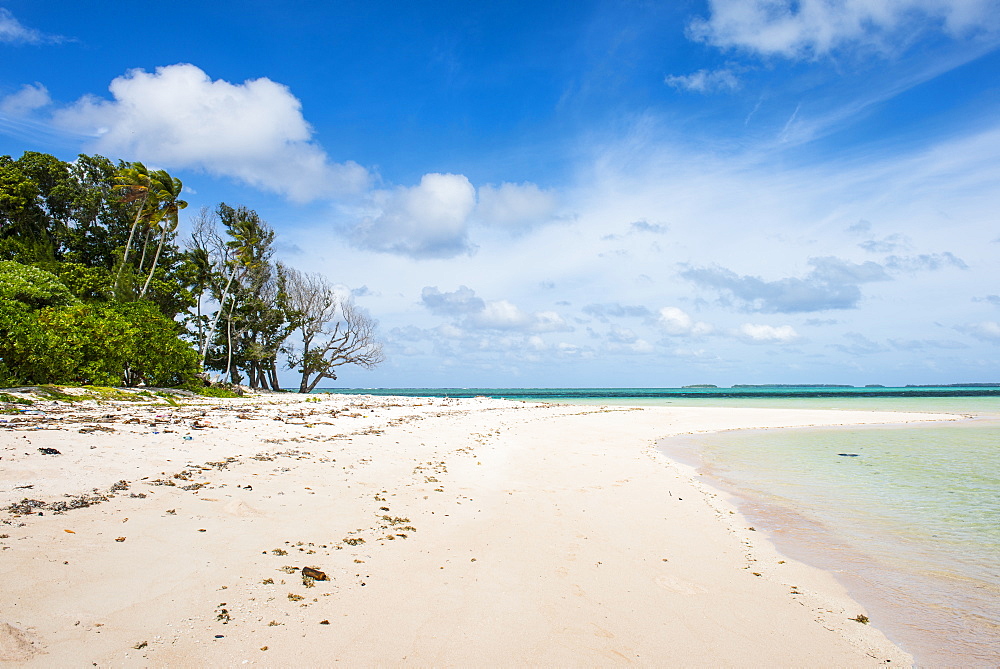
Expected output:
(908, 517)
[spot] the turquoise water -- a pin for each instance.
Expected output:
(909, 519)
(701, 395)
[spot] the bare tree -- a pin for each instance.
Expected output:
(334, 331)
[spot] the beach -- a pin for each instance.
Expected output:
(284, 530)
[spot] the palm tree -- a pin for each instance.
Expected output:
(168, 191)
(134, 184)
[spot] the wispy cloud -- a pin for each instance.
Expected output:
(13, 31)
(705, 81)
(30, 98)
(925, 262)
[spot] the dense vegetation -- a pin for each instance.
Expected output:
(95, 288)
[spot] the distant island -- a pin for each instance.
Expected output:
(699, 385)
(790, 385)
(957, 385)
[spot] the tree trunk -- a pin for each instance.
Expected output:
(128, 244)
(273, 371)
(145, 248)
(229, 346)
(215, 321)
(156, 259)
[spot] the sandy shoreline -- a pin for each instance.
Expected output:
(452, 533)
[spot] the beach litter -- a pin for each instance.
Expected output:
(314, 574)
(49, 451)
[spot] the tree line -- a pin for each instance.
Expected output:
(96, 286)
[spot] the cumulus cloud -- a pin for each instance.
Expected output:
(503, 315)
(428, 220)
(705, 81)
(831, 284)
(811, 28)
(30, 98)
(179, 117)
(515, 206)
(767, 334)
(458, 302)
(677, 323)
(620, 335)
(479, 314)
(13, 31)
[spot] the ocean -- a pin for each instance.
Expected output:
(907, 517)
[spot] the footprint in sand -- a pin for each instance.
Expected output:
(238, 507)
(677, 585)
(15, 646)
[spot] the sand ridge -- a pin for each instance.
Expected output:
(451, 532)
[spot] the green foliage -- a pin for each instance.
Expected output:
(217, 391)
(32, 287)
(66, 230)
(83, 281)
(92, 281)
(99, 344)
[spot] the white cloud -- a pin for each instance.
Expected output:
(504, 315)
(429, 220)
(806, 28)
(985, 331)
(705, 81)
(28, 99)
(767, 333)
(642, 346)
(501, 315)
(179, 117)
(13, 31)
(831, 284)
(461, 301)
(549, 321)
(515, 206)
(676, 322)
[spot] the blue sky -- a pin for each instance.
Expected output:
(574, 194)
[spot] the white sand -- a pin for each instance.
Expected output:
(523, 534)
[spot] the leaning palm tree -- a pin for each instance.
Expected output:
(168, 191)
(134, 184)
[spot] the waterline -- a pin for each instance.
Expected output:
(911, 524)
